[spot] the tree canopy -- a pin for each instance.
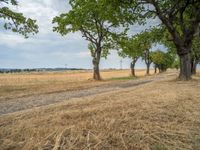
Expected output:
(15, 21)
(95, 24)
(162, 60)
(180, 18)
(131, 48)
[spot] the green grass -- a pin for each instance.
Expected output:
(123, 78)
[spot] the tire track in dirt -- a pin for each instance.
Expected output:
(24, 103)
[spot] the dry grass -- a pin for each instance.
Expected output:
(159, 116)
(23, 84)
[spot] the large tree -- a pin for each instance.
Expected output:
(15, 21)
(180, 17)
(96, 22)
(131, 48)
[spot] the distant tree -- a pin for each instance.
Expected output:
(157, 59)
(147, 59)
(195, 54)
(131, 48)
(162, 60)
(176, 63)
(16, 22)
(92, 19)
(146, 40)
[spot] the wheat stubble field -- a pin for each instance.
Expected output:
(25, 84)
(159, 115)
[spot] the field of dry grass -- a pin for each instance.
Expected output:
(162, 115)
(24, 84)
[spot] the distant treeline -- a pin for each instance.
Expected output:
(37, 70)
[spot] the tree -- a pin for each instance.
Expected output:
(16, 21)
(162, 60)
(147, 59)
(90, 18)
(195, 50)
(195, 54)
(130, 47)
(176, 63)
(181, 19)
(146, 40)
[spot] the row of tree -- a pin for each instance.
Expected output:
(135, 48)
(105, 24)
(99, 22)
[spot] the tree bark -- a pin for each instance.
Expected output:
(155, 69)
(96, 73)
(96, 61)
(193, 66)
(148, 69)
(185, 67)
(133, 68)
(147, 60)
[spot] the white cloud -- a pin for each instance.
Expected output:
(68, 55)
(47, 48)
(43, 12)
(11, 39)
(84, 54)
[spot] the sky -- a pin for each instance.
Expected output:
(48, 49)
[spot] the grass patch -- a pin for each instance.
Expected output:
(123, 78)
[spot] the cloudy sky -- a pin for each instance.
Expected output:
(49, 49)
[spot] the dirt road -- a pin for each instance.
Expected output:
(24, 103)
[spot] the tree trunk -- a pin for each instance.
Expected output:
(193, 66)
(185, 67)
(148, 69)
(155, 69)
(96, 73)
(96, 61)
(194, 69)
(147, 61)
(133, 69)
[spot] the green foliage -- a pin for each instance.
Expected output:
(95, 24)
(176, 63)
(195, 53)
(130, 47)
(16, 21)
(140, 45)
(180, 18)
(162, 60)
(146, 40)
(13, 2)
(182, 15)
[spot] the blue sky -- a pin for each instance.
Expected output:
(49, 49)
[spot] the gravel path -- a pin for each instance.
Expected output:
(29, 102)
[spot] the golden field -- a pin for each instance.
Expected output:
(25, 84)
(162, 115)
